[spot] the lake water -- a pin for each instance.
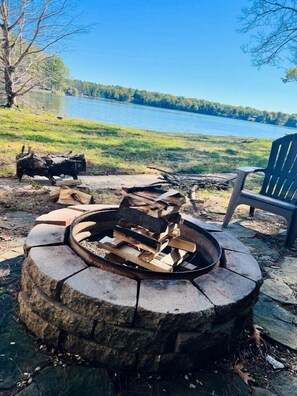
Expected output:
(155, 119)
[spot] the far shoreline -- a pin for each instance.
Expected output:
(156, 119)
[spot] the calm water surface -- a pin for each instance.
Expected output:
(155, 119)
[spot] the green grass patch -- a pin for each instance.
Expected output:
(119, 149)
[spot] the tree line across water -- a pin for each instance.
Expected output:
(167, 101)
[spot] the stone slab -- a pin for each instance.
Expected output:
(278, 323)
(55, 313)
(256, 391)
(238, 230)
(172, 304)
(92, 207)
(41, 328)
(230, 293)
(118, 181)
(132, 340)
(243, 264)
(45, 234)
(277, 289)
(62, 217)
(284, 384)
(287, 271)
(97, 353)
(50, 266)
(229, 242)
(202, 224)
(101, 295)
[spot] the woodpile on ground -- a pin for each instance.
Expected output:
(71, 192)
(31, 164)
(147, 233)
(192, 182)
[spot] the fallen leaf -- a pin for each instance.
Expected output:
(4, 272)
(244, 376)
(256, 336)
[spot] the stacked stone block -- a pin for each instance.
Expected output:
(147, 325)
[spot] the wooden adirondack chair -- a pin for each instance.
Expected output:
(278, 193)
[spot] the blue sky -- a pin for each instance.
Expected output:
(182, 47)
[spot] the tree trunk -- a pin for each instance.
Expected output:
(11, 99)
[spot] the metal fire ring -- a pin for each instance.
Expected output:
(97, 224)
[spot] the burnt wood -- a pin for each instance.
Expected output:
(154, 224)
(49, 166)
(134, 236)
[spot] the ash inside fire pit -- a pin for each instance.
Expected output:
(146, 238)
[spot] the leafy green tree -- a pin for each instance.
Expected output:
(56, 74)
(291, 75)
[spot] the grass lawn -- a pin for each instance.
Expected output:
(113, 149)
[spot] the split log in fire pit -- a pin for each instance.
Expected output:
(148, 233)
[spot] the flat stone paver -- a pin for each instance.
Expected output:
(101, 295)
(277, 289)
(284, 384)
(287, 271)
(205, 226)
(116, 181)
(229, 242)
(45, 234)
(170, 305)
(50, 266)
(278, 323)
(238, 230)
(228, 292)
(91, 207)
(243, 264)
(62, 217)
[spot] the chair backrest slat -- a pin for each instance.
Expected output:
(271, 164)
(280, 180)
(286, 174)
(279, 165)
(286, 181)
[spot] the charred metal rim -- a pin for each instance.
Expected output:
(94, 223)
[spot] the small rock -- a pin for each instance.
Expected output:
(274, 363)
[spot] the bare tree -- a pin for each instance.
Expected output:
(273, 24)
(30, 31)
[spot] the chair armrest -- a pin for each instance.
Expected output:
(242, 173)
(249, 169)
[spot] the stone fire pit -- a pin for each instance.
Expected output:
(141, 324)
